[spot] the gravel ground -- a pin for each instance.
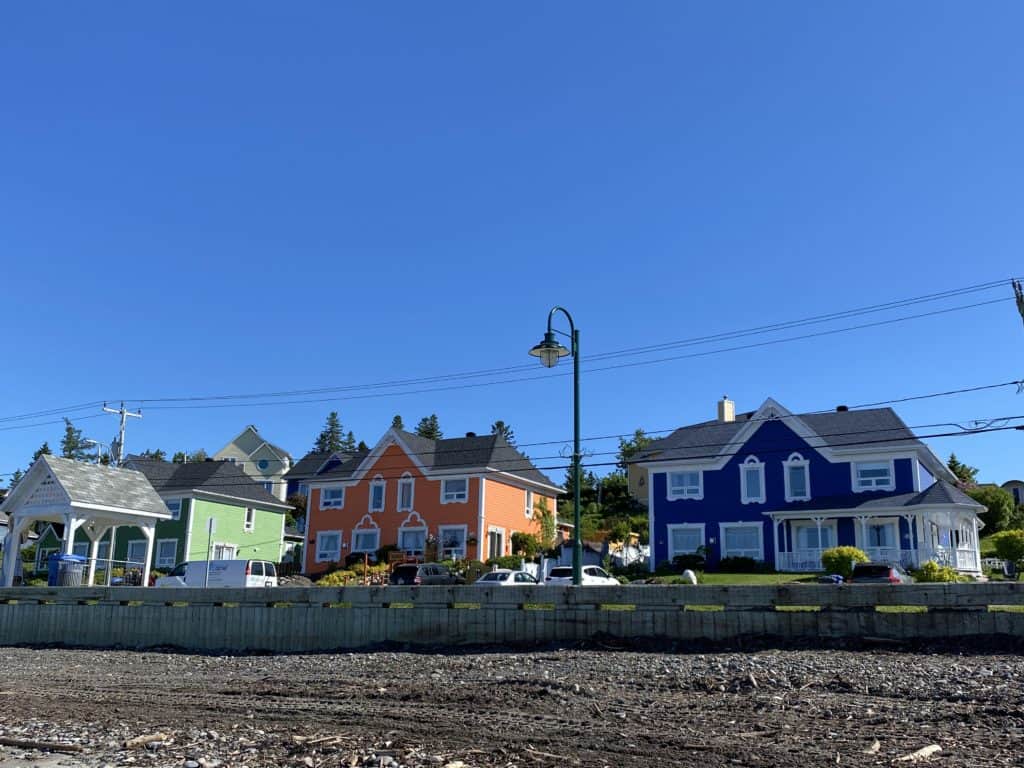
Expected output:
(556, 707)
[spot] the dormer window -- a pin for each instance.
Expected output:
(685, 485)
(798, 481)
(752, 481)
(873, 476)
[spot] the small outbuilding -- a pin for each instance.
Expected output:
(88, 497)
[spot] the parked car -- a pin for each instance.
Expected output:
(593, 576)
(222, 573)
(879, 573)
(503, 577)
(417, 574)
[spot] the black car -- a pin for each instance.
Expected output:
(416, 574)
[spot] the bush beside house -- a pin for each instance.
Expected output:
(841, 560)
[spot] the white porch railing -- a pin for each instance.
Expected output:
(799, 560)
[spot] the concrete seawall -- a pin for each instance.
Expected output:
(320, 619)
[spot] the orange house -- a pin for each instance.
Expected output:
(467, 494)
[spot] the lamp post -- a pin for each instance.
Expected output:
(548, 351)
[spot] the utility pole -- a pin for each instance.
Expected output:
(118, 456)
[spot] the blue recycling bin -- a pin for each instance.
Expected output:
(65, 570)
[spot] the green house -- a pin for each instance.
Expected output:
(247, 521)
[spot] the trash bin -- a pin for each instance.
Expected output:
(65, 570)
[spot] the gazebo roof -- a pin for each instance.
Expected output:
(90, 486)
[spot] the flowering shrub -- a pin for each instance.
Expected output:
(841, 559)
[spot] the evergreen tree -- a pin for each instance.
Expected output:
(501, 428)
(348, 445)
(630, 448)
(41, 450)
(157, 454)
(197, 456)
(15, 479)
(179, 457)
(396, 423)
(967, 475)
(429, 428)
(71, 445)
(362, 447)
(330, 439)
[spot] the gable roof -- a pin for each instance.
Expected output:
(261, 441)
(95, 485)
(870, 429)
(446, 456)
(940, 493)
(309, 465)
(218, 477)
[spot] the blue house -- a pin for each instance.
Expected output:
(780, 488)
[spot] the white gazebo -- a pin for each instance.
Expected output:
(87, 497)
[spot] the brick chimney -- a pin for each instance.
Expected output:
(726, 409)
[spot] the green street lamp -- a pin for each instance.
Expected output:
(549, 351)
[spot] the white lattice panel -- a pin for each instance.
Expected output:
(48, 492)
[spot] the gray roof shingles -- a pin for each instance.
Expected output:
(220, 477)
(878, 427)
(106, 486)
(457, 453)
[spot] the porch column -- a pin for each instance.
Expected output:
(976, 544)
(149, 531)
(775, 540)
(911, 526)
(16, 528)
(110, 552)
(94, 550)
(863, 531)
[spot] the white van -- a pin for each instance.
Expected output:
(223, 573)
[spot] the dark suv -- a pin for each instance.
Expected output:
(879, 573)
(414, 575)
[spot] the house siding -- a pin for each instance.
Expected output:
(504, 507)
(772, 443)
(262, 543)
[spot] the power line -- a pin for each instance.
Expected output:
(634, 364)
(522, 464)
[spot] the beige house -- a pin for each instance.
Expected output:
(261, 460)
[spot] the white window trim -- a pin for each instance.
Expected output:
(465, 535)
(406, 529)
(504, 540)
(103, 551)
(335, 503)
(128, 551)
(796, 460)
(363, 531)
(676, 497)
(465, 497)
(723, 527)
(861, 530)
(157, 562)
(319, 557)
(528, 512)
(377, 482)
(225, 545)
(79, 544)
(892, 475)
(248, 526)
(684, 526)
(796, 525)
(751, 462)
(407, 478)
(175, 513)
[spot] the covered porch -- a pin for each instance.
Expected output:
(81, 497)
(903, 535)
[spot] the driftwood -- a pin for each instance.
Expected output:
(141, 741)
(48, 746)
(922, 754)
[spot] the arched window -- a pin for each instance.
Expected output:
(798, 478)
(752, 481)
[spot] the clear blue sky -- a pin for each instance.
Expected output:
(247, 197)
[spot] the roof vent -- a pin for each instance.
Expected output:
(726, 410)
(842, 408)
(471, 434)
